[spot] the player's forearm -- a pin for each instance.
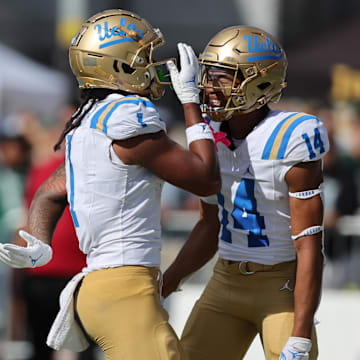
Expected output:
(43, 218)
(48, 206)
(192, 114)
(204, 149)
(308, 288)
(197, 251)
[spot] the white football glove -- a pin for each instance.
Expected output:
(296, 348)
(37, 253)
(185, 81)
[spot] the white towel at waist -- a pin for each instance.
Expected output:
(65, 333)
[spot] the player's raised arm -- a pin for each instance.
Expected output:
(196, 170)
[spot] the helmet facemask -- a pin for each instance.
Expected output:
(217, 86)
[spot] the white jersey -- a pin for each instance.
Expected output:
(115, 207)
(254, 202)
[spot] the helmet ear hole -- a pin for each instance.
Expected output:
(127, 69)
(115, 66)
(264, 85)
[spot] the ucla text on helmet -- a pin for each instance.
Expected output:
(116, 31)
(255, 45)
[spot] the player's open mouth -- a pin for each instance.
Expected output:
(215, 108)
(215, 105)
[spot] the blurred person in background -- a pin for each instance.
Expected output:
(267, 220)
(117, 156)
(36, 291)
(15, 154)
(340, 188)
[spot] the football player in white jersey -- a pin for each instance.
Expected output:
(117, 157)
(267, 220)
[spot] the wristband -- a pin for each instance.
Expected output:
(199, 131)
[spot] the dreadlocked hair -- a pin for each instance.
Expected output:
(87, 95)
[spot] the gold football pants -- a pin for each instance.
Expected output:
(240, 301)
(120, 310)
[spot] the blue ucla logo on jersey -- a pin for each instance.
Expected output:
(255, 46)
(108, 37)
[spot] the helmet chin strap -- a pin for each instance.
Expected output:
(219, 116)
(157, 91)
(225, 113)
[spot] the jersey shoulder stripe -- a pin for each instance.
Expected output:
(276, 145)
(101, 117)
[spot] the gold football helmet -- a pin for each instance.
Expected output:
(257, 63)
(114, 50)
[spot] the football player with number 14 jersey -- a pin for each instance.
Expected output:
(267, 220)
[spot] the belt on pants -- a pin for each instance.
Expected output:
(249, 267)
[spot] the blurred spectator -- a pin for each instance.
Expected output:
(14, 159)
(355, 150)
(37, 291)
(341, 190)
